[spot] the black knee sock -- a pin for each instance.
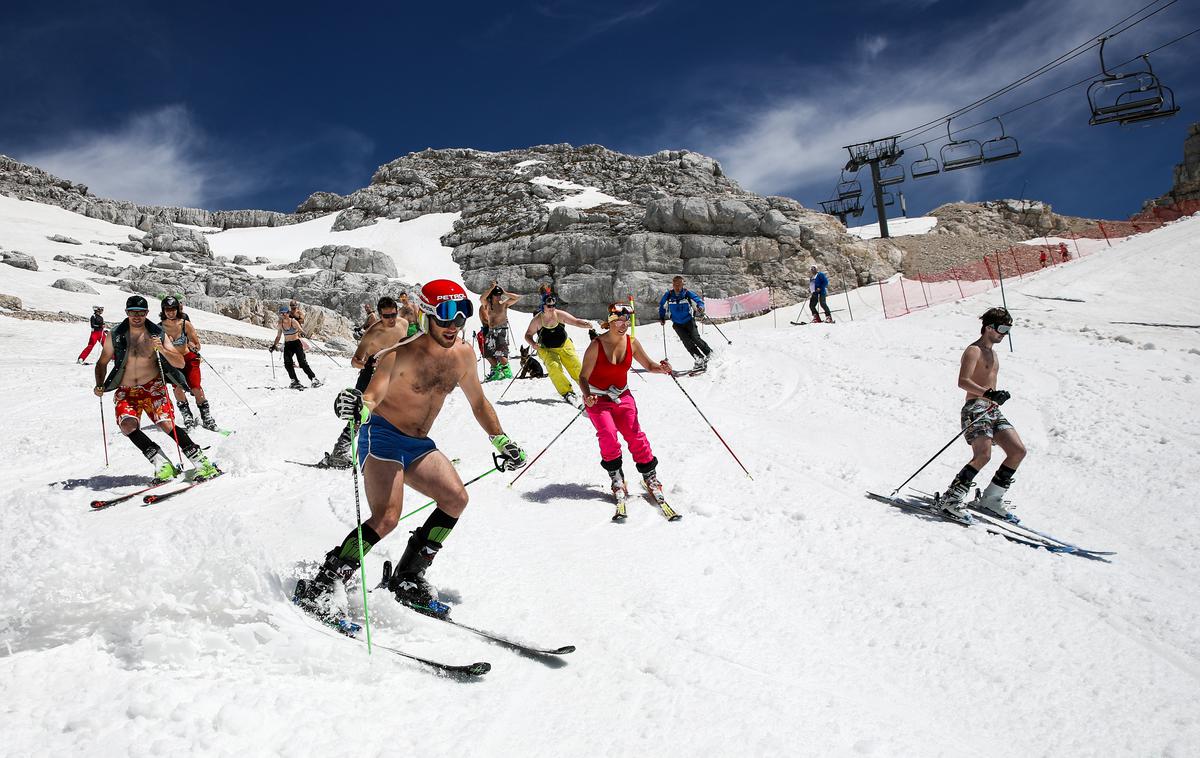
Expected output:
(1004, 476)
(186, 443)
(437, 527)
(348, 550)
(967, 475)
(148, 448)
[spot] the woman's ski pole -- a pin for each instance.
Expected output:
(231, 389)
(710, 426)
(539, 455)
(103, 431)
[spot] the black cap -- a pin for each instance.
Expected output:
(550, 300)
(136, 303)
(170, 301)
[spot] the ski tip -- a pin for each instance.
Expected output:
(565, 649)
(676, 517)
(476, 669)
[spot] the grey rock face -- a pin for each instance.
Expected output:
(10, 302)
(1185, 187)
(74, 285)
(355, 260)
(64, 239)
(18, 260)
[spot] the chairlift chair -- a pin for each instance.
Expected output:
(848, 188)
(891, 174)
(1130, 97)
(924, 166)
(957, 154)
(1001, 148)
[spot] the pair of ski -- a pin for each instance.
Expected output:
(655, 496)
(1010, 530)
(689, 371)
(802, 323)
(153, 497)
(439, 611)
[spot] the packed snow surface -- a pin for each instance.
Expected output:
(897, 227)
(784, 615)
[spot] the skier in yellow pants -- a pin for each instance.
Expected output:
(555, 348)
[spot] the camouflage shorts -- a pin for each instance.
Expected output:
(987, 425)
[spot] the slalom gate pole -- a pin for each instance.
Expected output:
(362, 569)
(714, 323)
(1003, 299)
(434, 502)
(710, 426)
(103, 431)
(547, 447)
(946, 447)
(510, 383)
(227, 384)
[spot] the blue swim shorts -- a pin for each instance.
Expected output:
(379, 439)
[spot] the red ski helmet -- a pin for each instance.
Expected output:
(445, 302)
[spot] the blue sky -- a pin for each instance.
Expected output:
(259, 104)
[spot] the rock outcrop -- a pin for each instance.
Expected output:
(18, 260)
(1185, 189)
(74, 285)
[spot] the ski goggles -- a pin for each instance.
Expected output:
(620, 312)
(1002, 328)
(449, 313)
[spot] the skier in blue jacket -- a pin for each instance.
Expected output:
(818, 284)
(680, 302)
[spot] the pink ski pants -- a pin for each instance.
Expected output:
(609, 418)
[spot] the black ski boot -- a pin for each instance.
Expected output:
(185, 410)
(316, 595)
(340, 457)
(206, 419)
(296, 385)
(408, 581)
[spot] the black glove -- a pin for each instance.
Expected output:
(662, 321)
(997, 396)
(349, 405)
(272, 349)
(592, 334)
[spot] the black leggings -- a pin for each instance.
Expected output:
(812, 304)
(691, 339)
(296, 348)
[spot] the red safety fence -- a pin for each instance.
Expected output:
(902, 295)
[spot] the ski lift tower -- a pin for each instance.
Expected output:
(876, 153)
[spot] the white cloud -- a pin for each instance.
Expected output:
(153, 158)
(871, 46)
(793, 141)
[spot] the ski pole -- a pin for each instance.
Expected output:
(547, 447)
(948, 444)
(327, 355)
(103, 430)
(710, 426)
(434, 502)
(510, 384)
(663, 324)
(163, 376)
(273, 379)
(227, 384)
(714, 324)
(362, 569)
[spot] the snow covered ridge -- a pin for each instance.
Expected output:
(788, 615)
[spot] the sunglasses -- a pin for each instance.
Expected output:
(1002, 328)
(393, 314)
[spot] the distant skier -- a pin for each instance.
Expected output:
(138, 377)
(400, 405)
(369, 318)
(296, 311)
(818, 285)
(1042, 259)
(496, 340)
(291, 330)
(98, 333)
(1062, 251)
(183, 337)
(555, 348)
(680, 302)
(386, 332)
(985, 425)
(604, 382)
(408, 312)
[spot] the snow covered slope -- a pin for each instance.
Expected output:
(897, 227)
(787, 615)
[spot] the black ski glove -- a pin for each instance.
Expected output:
(349, 405)
(272, 349)
(999, 397)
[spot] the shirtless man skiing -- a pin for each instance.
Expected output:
(397, 411)
(604, 380)
(497, 303)
(138, 377)
(984, 425)
(555, 348)
(183, 337)
(408, 312)
(384, 333)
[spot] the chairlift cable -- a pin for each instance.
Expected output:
(1045, 68)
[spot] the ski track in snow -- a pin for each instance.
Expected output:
(784, 615)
